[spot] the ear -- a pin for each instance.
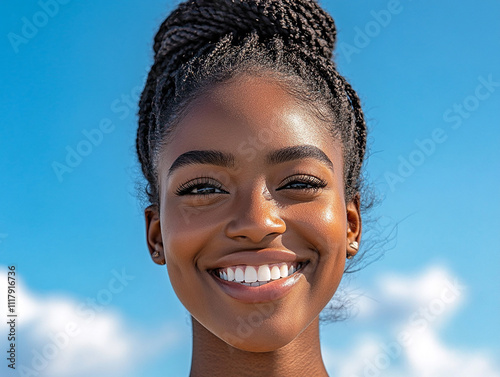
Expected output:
(153, 234)
(353, 226)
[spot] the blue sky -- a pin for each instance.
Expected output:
(429, 78)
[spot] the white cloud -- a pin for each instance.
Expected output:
(430, 357)
(395, 296)
(412, 311)
(60, 336)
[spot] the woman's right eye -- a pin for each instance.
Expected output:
(200, 186)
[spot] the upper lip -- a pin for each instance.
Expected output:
(255, 258)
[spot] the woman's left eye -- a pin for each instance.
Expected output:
(303, 182)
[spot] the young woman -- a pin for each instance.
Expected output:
(252, 145)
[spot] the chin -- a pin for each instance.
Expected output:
(263, 337)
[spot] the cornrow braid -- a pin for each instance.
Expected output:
(205, 42)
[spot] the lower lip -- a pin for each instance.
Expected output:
(268, 292)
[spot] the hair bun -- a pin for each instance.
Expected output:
(300, 22)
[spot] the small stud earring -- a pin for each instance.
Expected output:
(353, 245)
(156, 254)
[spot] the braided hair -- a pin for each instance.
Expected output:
(204, 42)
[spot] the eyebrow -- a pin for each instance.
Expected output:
(298, 152)
(202, 157)
(223, 159)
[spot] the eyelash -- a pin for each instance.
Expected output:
(199, 182)
(202, 182)
(315, 182)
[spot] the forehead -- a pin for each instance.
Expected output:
(247, 111)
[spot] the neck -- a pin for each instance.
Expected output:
(214, 357)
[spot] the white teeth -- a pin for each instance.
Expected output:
(256, 276)
(239, 275)
(264, 273)
(284, 270)
(230, 274)
(250, 274)
(275, 273)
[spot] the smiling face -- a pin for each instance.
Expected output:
(251, 190)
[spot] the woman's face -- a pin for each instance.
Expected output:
(251, 188)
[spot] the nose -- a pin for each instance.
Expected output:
(255, 216)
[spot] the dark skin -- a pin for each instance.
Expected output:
(297, 206)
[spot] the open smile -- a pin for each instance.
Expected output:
(253, 284)
(255, 276)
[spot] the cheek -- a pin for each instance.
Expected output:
(326, 233)
(181, 241)
(323, 224)
(186, 232)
